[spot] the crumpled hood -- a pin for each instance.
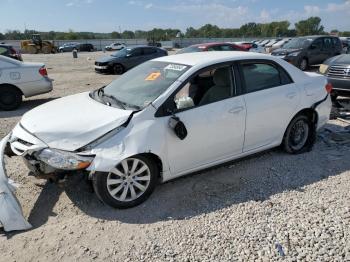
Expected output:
(283, 51)
(72, 122)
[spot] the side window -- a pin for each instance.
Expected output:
(207, 87)
(136, 52)
(260, 76)
(228, 48)
(215, 48)
(327, 43)
(3, 50)
(149, 51)
(318, 43)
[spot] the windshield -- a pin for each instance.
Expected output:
(122, 53)
(190, 49)
(297, 43)
(142, 85)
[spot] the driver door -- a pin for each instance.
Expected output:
(214, 119)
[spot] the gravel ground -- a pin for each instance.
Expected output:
(268, 207)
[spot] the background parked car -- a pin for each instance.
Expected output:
(256, 48)
(337, 70)
(9, 51)
(346, 44)
(211, 47)
(115, 46)
(18, 79)
(245, 45)
(68, 47)
(309, 50)
(127, 58)
(79, 47)
(86, 47)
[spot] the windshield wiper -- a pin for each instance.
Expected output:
(101, 93)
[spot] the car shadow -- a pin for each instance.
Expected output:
(254, 178)
(25, 106)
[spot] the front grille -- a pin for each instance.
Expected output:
(339, 71)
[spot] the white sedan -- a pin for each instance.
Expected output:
(18, 79)
(170, 117)
(115, 46)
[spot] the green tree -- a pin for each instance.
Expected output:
(116, 35)
(71, 35)
(310, 26)
(128, 34)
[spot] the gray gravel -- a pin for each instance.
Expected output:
(268, 207)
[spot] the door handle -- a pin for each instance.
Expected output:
(291, 95)
(236, 110)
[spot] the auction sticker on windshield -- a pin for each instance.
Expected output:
(175, 67)
(153, 76)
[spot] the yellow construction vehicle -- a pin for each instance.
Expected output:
(36, 45)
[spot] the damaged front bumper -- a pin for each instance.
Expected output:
(11, 216)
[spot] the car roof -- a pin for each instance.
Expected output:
(212, 44)
(198, 58)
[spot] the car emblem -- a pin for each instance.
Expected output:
(347, 71)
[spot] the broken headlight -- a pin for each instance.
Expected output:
(64, 160)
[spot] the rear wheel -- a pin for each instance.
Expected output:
(303, 64)
(297, 135)
(10, 98)
(118, 69)
(129, 184)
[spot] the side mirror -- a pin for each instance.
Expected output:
(178, 126)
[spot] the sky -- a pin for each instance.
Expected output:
(120, 15)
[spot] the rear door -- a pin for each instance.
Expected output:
(271, 99)
(317, 52)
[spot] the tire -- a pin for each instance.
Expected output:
(121, 191)
(118, 69)
(10, 97)
(298, 134)
(303, 64)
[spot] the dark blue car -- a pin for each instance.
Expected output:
(121, 61)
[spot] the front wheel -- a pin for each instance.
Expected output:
(129, 184)
(297, 135)
(118, 69)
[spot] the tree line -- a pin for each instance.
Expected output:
(310, 26)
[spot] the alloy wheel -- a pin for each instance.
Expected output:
(128, 180)
(299, 134)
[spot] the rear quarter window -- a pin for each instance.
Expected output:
(259, 76)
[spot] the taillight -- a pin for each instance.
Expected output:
(329, 88)
(43, 71)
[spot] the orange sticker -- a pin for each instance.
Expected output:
(153, 76)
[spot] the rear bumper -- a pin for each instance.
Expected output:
(323, 109)
(36, 87)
